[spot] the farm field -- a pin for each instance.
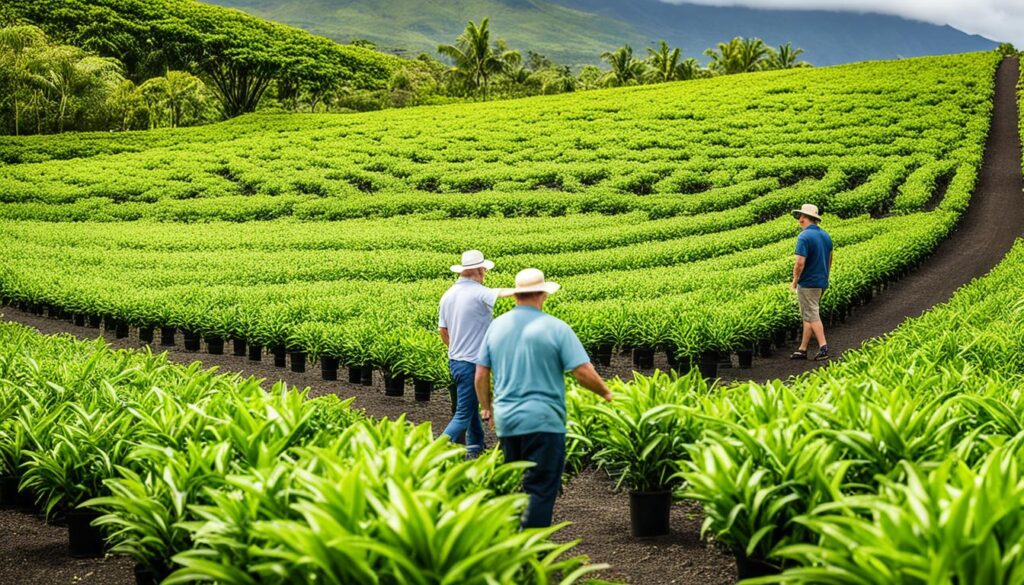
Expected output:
(331, 235)
(664, 213)
(924, 420)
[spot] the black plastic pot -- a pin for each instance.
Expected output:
(394, 384)
(298, 361)
(280, 356)
(27, 501)
(167, 336)
(422, 389)
(764, 349)
(9, 491)
(724, 360)
(683, 363)
(215, 345)
(643, 358)
(84, 539)
(255, 352)
(708, 365)
(636, 357)
(780, 339)
(366, 375)
(94, 321)
(750, 568)
(649, 513)
(193, 341)
(109, 324)
(51, 311)
(238, 347)
(329, 367)
(79, 320)
(120, 330)
(355, 375)
(146, 334)
(746, 358)
(150, 575)
(603, 354)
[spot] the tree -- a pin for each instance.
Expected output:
(126, 106)
(475, 60)
(179, 98)
(740, 55)
(785, 57)
(69, 76)
(665, 64)
(590, 77)
(16, 43)
(626, 70)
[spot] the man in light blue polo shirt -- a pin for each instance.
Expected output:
(465, 313)
(529, 352)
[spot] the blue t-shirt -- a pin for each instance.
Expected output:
(815, 245)
(529, 352)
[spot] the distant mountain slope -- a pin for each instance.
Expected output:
(577, 31)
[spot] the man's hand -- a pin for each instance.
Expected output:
(487, 417)
(588, 377)
(793, 286)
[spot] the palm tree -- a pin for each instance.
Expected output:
(15, 43)
(475, 60)
(785, 57)
(68, 73)
(739, 55)
(626, 70)
(663, 63)
(177, 94)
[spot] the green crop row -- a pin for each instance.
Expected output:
(900, 464)
(606, 151)
(201, 477)
(378, 307)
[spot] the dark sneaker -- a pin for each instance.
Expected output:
(800, 354)
(822, 354)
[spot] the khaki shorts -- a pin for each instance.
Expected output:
(809, 300)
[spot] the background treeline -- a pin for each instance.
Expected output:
(138, 64)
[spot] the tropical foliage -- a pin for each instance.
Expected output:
(644, 236)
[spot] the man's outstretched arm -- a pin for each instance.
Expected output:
(588, 377)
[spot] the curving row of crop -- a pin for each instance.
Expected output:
(201, 477)
(901, 464)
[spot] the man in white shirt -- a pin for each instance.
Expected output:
(466, 311)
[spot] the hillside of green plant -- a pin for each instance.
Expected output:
(332, 235)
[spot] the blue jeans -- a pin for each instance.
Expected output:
(466, 426)
(543, 481)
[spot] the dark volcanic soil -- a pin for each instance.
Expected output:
(31, 552)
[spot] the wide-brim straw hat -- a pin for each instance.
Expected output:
(471, 260)
(532, 280)
(807, 209)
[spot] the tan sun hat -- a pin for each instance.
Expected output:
(531, 280)
(808, 210)
(472, 260)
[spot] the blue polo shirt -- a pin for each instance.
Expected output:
(815, 245)
(529, 352)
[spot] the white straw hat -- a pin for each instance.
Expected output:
(472, 260)
(808, 210)
(531, 280)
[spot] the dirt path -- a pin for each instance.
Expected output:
(993, 221)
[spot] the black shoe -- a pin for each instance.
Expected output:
(800, 354)
(822, 354)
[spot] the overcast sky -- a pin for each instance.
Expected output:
(1000, 20)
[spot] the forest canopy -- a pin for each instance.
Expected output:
(237, 55)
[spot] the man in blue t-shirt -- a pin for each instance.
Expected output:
(810, 278)
(529, 352)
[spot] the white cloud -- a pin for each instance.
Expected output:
(1000, 20)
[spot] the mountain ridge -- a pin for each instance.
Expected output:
(576, 32)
